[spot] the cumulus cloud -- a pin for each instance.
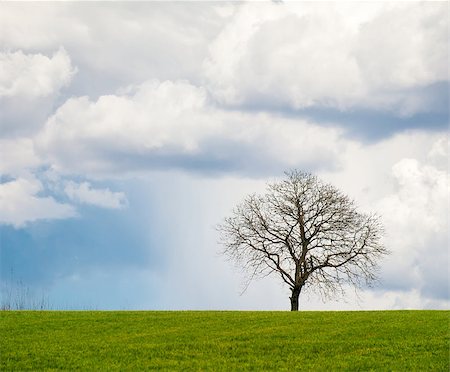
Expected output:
(34, 75)
(417, 226)
(30, 85)
(85, 194)
(173, 125)
(340, 56)
(17, 156)
(20, 203)
(405, 179)
(148, 39)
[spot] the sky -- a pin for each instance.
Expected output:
(128, 131)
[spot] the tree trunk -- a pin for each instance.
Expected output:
(294, 298)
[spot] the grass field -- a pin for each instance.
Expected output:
(381, 340)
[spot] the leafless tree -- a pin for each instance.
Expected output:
(307, 232)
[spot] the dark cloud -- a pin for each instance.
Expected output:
(365, 124)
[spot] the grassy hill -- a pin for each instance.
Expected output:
(381, 340)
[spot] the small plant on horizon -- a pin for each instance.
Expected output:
(15, 295)
(307, 232)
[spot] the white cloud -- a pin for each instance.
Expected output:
(365, 170)
(172, 125)
(439, 152)
(417, 225)
(20, 203)
(406, 180)
(85, 194)
(389, 57)
(121, 43)
(342, 56)
(32, 29)
(410, 299)
(34, 75)
(17, 156)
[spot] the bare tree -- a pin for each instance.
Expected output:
(307, 232)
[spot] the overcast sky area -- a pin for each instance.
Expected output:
(128, 131)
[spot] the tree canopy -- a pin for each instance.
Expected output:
(307, 232)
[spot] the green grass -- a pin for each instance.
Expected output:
(358, 341)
